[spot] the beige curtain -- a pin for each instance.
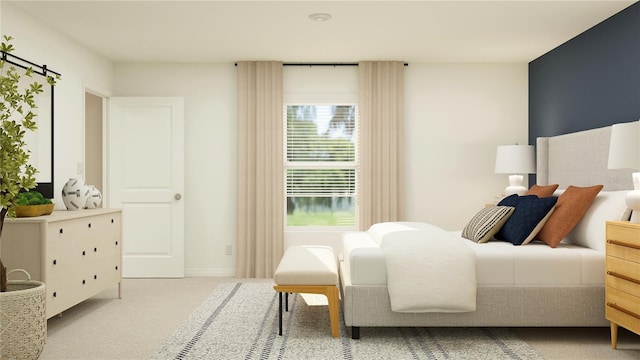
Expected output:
(260, 179)
(381, 104)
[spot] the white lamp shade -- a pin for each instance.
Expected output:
(515, 159)
(624, 153)
(624, 147)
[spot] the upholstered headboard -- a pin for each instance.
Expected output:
(579, 159)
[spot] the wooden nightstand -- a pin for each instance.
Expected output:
(622, 284)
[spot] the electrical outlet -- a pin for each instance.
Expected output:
(227, 250)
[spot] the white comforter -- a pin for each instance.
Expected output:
(428, 268)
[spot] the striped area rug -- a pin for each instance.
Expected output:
(240, 321)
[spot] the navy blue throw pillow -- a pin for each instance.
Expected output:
(529, 212)
(513, 200)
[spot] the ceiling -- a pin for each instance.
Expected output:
(412, 31)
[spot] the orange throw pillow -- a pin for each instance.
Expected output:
(542, 191)
(571, 206)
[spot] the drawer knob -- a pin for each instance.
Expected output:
(61, 230)
(116, 243)
(112, 221)
(95, 277)
(84, 253)
(95, 249)
(84, 282)
(55, 262)
(89, 225)
(116, 267)
(55, 294)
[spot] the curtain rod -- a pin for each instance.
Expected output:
(325, 64)
(321, 64)
(41, 69)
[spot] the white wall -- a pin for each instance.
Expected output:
(79, 67)
(209, 92)
(456, 115)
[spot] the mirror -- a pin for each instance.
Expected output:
(40, 142)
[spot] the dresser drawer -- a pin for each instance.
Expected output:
(60, 293)
(104, 227)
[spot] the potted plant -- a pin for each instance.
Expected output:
(32, 203)
(17, 116)
(22, 302)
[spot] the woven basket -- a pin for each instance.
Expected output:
(23, 319)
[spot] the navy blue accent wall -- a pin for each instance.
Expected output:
(591, 81)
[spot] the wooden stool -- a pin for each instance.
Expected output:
(309, 270)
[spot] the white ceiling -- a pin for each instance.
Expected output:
(412, 31)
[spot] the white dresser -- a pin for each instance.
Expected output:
(77, 254)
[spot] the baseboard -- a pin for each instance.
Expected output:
(208, 272)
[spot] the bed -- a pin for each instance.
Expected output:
(527, 285)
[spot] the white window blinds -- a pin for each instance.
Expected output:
(321, 164)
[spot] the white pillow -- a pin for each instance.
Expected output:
(591, 230)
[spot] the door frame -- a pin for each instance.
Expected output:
(104, 94)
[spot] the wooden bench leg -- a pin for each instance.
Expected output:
(330, 291)
(334, 304)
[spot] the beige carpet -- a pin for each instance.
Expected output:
(239, 321)
(133, 327)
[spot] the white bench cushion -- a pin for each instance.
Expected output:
(307, 265)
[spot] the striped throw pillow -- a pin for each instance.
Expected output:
(486, 223)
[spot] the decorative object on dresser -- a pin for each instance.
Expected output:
(75, 194)
(95, 198)
(515, 160)
(624, 153)
(622, 291)
(32, 203)
(77, 254)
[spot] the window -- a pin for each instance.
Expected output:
(321, 164)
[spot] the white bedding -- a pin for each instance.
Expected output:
(578, 260)
(497, 263)
(428, 269)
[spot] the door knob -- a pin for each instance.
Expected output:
(177, 196)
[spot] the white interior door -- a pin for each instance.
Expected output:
(145, 177)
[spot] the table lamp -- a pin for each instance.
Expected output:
(515, 160)
(624, 153)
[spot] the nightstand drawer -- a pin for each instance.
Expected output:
(624, 250)
(624, 232)
(623, 309)
(623, 275)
